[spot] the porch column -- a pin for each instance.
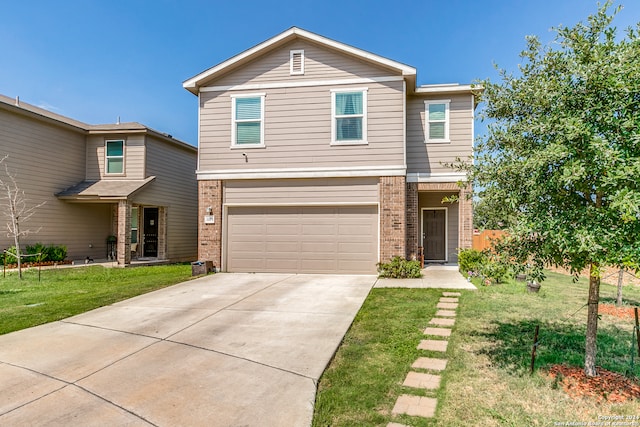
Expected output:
(412, 220)
(162, 232)
(124, 233)
(465, 218)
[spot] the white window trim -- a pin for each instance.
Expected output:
(292, 53)
(262, 97)
(446, 121)
(362, 141)
(107, 157)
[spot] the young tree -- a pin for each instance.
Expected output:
(562, 154)
(16, 210)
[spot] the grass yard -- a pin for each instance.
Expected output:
(487, 380)
(65, 292)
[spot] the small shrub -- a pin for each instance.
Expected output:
(57, 253)
(400, 268)
(470, 261)
(488, 266)
(10, 257)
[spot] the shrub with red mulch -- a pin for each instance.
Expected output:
(607, 386)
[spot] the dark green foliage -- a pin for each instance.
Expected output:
(486, 265)
(471, 260)
(54, 253)
(400, 268)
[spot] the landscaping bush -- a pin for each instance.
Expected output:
(51, 253)
(400, 268)
(470, 261)
(483, 264)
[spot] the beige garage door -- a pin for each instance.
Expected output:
(302, 239)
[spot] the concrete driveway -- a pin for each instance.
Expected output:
(221, 350)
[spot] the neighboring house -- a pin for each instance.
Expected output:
(318, 157)
(121, 180)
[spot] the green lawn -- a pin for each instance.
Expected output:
(65, 292)
(487, 381)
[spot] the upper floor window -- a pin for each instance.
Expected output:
(296, 62)
(114, 150)
(437, 121)
(349, 116)
(248, 120)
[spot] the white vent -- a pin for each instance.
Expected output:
(296, 62)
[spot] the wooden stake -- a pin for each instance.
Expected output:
(535, 345)
(635, 310)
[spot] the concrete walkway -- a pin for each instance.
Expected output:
(433, 276)
(221, 350)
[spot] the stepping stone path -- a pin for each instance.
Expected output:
(436, 342)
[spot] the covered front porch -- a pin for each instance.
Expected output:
(439, 221)
(137, 231)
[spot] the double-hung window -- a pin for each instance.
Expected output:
(349, 116)
(248, 120)
(437, 121)
(114, 156)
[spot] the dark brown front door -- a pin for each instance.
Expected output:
(150, 242)
(434, 234)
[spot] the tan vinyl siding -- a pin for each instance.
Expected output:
(175, 188)
(134, 157)
(320, 64)
(434, 200)
(302, 191)
(427, 158)
(46, 159)
(298, 130)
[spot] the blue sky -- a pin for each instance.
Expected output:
(96, 61)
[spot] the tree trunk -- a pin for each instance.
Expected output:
(619, 296)
(592, 322)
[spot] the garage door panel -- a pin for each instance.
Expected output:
(303, 239)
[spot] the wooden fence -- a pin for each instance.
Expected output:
(483, 239)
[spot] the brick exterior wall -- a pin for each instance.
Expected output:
(210, 235)
(123, 244)
(413, 220)
(392, 217)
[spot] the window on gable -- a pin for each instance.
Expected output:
(437, 121)
(248, 120)
(114, 151)
(349, 121)
(296, 62)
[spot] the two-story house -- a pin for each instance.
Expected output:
(318, 157)
(114, 191)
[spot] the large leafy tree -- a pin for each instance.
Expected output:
(562, 154)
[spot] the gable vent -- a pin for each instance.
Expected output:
(296, 61)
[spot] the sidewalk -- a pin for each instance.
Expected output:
(433, 276)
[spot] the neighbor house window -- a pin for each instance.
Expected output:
(248, 120)
(296, 62)
(437, 121)
(349, 116)
(114, 156)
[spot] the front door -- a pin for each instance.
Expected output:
(434, 236)
(150, 232)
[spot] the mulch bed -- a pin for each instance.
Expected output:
(40, 264)
(623, 312)
(606, 387)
